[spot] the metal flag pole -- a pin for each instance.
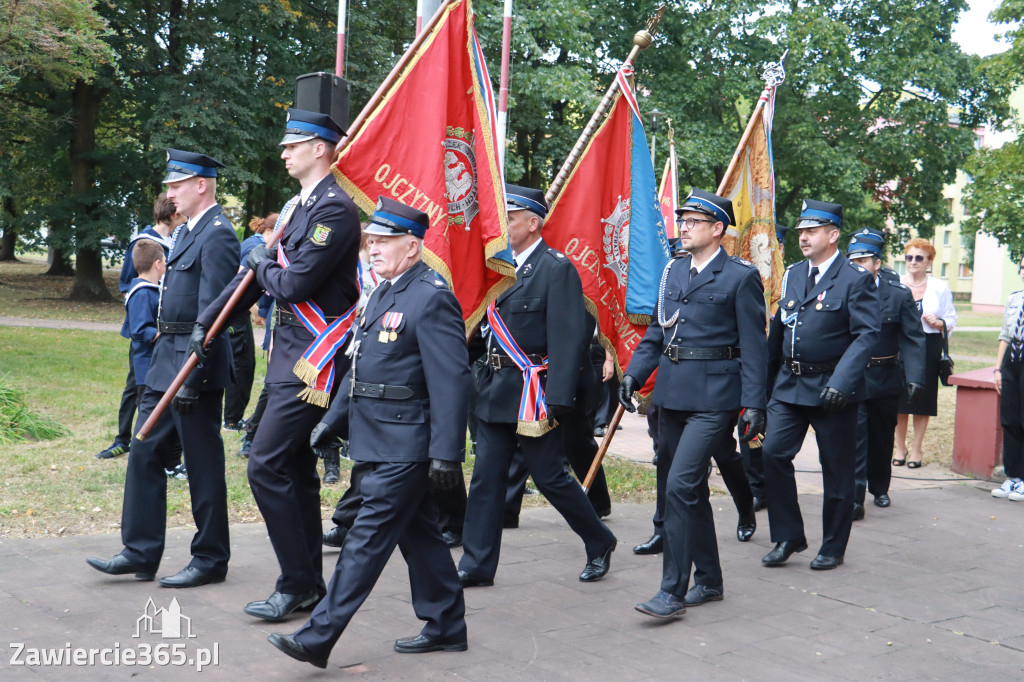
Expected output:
(642, 39)
(339, 58)
(506, 50)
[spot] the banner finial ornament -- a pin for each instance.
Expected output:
(774, 72)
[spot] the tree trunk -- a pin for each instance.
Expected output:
(10, 238)
(60, 266)
(89, 284)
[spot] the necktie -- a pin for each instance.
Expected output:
(693, 273)
(381, 290)
(1018, 331)
(810, 281)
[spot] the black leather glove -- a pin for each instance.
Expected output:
(322, 437)
(557, 412)
(627, 387)
(445, 474)
(833, 400)
(258, 255)
(195, 343)
(913, 389)
(751, 423)
(185, 400)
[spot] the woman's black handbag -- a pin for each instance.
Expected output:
(945, 362)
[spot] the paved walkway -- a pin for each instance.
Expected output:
(930, 590)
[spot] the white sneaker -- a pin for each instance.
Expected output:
(1017, 494)
(1004, 490)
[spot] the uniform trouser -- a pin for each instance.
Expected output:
(129, 401)
(144, 514)
(876, 427)
(580, 450)
(729, 464)
(1011, 416)
(243, 351)
(284, 481)
(451, 504)
(689, 440)
(396, 510)
(253, 422)
(837, 440)
(481, 537)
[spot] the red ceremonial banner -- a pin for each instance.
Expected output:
(589, 223)
(429, 142)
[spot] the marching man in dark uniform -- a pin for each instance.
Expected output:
(899, 353)
(822, 336)
(403, 409)
(313, 276)
(203, 259)
(708, 344)
(535, 353)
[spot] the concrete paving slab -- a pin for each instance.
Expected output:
(925, 594)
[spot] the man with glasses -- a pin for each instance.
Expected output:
(820, 342)
(710, 309)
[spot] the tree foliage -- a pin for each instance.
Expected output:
(863, 118)
(995, 197)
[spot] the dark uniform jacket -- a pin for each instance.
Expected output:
(901, 333)
(141, 303)
(429, 351)
(837, 320)
(201, 263)
(722, 307)
(545, 313)
(321, 242)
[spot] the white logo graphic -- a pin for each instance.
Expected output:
(616, 240)
(169, 623)
(460, 178)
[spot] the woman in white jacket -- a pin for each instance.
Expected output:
(935, 302)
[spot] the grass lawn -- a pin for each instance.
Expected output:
(27, 292)
(59, 487)
(965, 317)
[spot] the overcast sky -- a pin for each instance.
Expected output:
(974, 32)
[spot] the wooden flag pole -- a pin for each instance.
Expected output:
(642, 39)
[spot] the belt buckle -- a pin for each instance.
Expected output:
(794, 367)
(673, 353)
(495, 361)
(728, 353)
(380, 389)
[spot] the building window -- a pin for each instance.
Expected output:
(963, 241)
(945, 270)
(945, 237)
(900, 267)
(965, 272)
(949, 206)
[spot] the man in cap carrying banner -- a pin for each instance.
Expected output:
(899, 353)
(820, 342)
(708, 344)
(313, 275)
(203, 258)
(538, 334)
(403, 409)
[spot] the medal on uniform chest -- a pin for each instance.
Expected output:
(390, 323)
(821, 297)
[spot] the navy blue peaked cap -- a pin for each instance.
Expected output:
(780, 232)
(184, 165)
(816, 213)
(866, 242)
(710, 204)
(392, 218)
(519, 198)
(301, 125)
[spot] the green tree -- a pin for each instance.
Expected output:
(995, 196)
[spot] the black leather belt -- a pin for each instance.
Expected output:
(677, 353)
(290, 319)
(175, 327)
(498, 361)
(384, 392)
(887, 361)
(801, 368)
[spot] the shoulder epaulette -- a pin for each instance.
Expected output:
(858, 268)
(557, 255)
(431, 277)
(896, 283)
(741, 261)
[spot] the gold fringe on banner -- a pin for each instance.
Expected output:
(315, 397)
(305, 371)
(534, 429)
